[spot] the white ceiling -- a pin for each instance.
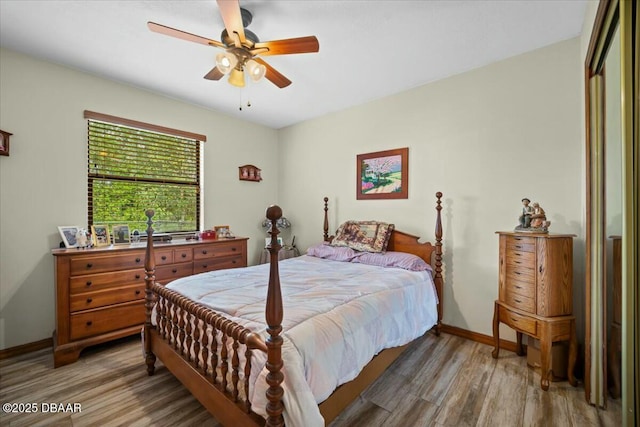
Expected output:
(368, 49)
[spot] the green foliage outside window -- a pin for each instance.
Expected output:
(131, 170)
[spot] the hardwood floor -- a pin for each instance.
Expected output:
(438, 381)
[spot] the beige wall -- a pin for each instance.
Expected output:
(485, 138)
(43, 182)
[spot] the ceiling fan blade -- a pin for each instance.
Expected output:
(230, 11)
(214, 74)
(288, 46)
(168, 31)
(273, 75)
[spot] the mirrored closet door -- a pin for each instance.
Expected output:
(611, 341)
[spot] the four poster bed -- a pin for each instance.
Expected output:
(348, 315)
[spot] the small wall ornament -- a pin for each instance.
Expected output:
(4, 143)
(249, 173)
(533, 218)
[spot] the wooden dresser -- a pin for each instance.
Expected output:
(100, 291)
(535, 294)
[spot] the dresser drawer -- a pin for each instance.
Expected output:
(171, 256)
(519, 322)
(99, 281)
(105, 297)
(201, 266)
(95, 322)
(218, 250)
(524, 288)
(521, 274)
(166, 273)
(88, 265)
(519, 243)
(521, 302)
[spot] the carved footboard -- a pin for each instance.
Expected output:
(209, 352)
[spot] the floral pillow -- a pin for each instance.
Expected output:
(393, 259)
(324, 250)
(365, 236)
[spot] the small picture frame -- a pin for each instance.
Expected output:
(222, 231)
(68, 234)
(100, 235)
(121, 235)
(267, 242)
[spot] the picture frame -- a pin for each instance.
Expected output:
(267, 242)
(121, 234)
(68, 234)
(222, 231)
(383, 175)
(100, 235)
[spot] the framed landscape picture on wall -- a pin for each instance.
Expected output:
(383, 175)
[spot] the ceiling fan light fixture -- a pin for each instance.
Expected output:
(226, 62)
(236, 77)
(256, 70)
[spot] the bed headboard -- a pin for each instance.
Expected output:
(405, 242)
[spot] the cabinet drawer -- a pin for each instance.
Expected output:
(164, 256)
(519, 322)
(521, 302)
(166, 273)
(105, 297)
(218, 250)
(171, 256)
(518, 243)
(521, 274)
(86, 265)
(201, 266)
(521, 259)
(95, 322)
(105, 280)
(524, 288)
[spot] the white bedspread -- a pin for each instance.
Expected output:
(337, 316)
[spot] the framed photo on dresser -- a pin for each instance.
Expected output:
(121, 235)
(100, 235)
(68, 234)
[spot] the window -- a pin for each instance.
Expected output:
(135, 166)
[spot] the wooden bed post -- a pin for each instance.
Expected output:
(149, 279)
(326, 220)
(438, 273)
(274, 314)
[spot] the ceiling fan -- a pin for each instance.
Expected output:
(242, 48)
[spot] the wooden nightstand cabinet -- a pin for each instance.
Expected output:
(535, 294)
(100, 291)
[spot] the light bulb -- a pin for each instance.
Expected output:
(256, 70)
(226, 62)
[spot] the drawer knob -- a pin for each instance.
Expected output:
(89, 265)
(137, 259)
(518, 287)
(175, 270)
(164, 257)
(514, 320)
(89, 323)
(517, 272)
(137, 276)
(233, 249)
(89, 300)
(518, 246)
(540, 269)
(517, 301)
(204, 252)
(89, 283)
(204, 266)
(137, 291)
(233, 262)
(184, 255)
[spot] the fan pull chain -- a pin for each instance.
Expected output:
(248, 101)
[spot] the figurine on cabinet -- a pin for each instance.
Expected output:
(533, 218)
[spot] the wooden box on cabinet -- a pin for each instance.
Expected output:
(535, 294)
(100, 291)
